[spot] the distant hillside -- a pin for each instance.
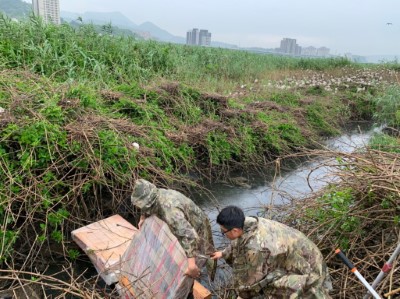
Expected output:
(121, 21)
(101, 18)
(118, 19)
(161, 34)
(15, 8)
(106, 29)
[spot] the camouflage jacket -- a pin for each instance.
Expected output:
(186, 220)
(276, 261)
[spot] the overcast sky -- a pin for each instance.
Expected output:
(355, 26)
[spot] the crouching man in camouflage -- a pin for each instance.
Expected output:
(185, 219)
(270, 259)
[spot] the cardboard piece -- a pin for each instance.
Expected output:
(105, 242)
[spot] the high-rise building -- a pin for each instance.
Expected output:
(189, 37)
(204, 37)
(49, 10)
(195, 36)
(289, 46)
(200, 38)
(323, 51)
(309, 51)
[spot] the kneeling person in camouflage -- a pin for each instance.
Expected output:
(185, 219)
(270, 259)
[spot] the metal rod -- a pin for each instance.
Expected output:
(385, 269)
(366, 284)
(353, 269)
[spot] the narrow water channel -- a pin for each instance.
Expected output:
(295, 181)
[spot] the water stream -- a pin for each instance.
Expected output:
(293, 181)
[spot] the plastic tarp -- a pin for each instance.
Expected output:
(154, 264)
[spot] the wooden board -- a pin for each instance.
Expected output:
(105, 242)
(200, 292)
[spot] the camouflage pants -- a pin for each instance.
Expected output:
(293, 296)
(314, 292)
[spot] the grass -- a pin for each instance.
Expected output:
(355, 214)
(75, 101)
(388, 106)
(67, 53)
(385, 143)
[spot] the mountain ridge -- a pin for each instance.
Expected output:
(145, 29)
(120, 20)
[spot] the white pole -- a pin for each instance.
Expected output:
(353, 269)
(366, 284)
(386, 268)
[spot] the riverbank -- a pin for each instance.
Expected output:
(358, 213)
(82, 116)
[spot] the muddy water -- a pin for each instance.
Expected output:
(292, 181)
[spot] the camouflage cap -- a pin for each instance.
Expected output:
(144, 195)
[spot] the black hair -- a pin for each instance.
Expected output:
(231, 217)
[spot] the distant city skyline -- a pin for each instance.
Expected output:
(290, 46)
(357, 26)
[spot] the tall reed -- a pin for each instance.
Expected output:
(68, 53)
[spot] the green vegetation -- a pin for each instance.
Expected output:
(108, 29)
(361, 209)
(335, 208)
(385, 143)
(66, 53)
(388, 106)
(359, 213)
(75, 102)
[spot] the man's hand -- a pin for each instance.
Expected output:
(192, 270)
(141, 220)
(216, 255)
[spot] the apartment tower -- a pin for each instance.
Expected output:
(290, 46)
(198, 37)
(49, 10)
